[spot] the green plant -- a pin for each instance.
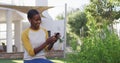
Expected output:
(101, 46)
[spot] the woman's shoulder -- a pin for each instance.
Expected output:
(25, 31)
(44, 29)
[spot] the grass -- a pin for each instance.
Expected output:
(10, 61)
(21, 61)
(58, 60)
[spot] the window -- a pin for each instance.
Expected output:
(3, 33)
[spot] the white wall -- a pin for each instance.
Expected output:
(59, 27)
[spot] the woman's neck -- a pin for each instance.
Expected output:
(33, 28)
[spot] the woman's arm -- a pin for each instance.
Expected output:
(57, 36)
(49, 41)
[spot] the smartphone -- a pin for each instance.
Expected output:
(57, 35)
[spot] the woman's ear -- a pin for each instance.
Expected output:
(29, 19)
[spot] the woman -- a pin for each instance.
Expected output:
(35, 40)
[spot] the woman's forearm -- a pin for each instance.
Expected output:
(38, 49)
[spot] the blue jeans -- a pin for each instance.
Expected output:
(39, 60)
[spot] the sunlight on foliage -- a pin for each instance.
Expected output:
(17, 61)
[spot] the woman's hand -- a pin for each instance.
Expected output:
(51, 40)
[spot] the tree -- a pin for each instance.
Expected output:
(60, 17)
(77, 20)
(101, 45)
(106, 9)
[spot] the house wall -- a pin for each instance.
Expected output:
(47, 22)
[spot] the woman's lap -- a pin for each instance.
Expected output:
(40, 60)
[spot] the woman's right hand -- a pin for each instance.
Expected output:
(51, 40)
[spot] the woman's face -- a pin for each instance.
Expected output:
(35, 21)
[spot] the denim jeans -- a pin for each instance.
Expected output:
(39, 60)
